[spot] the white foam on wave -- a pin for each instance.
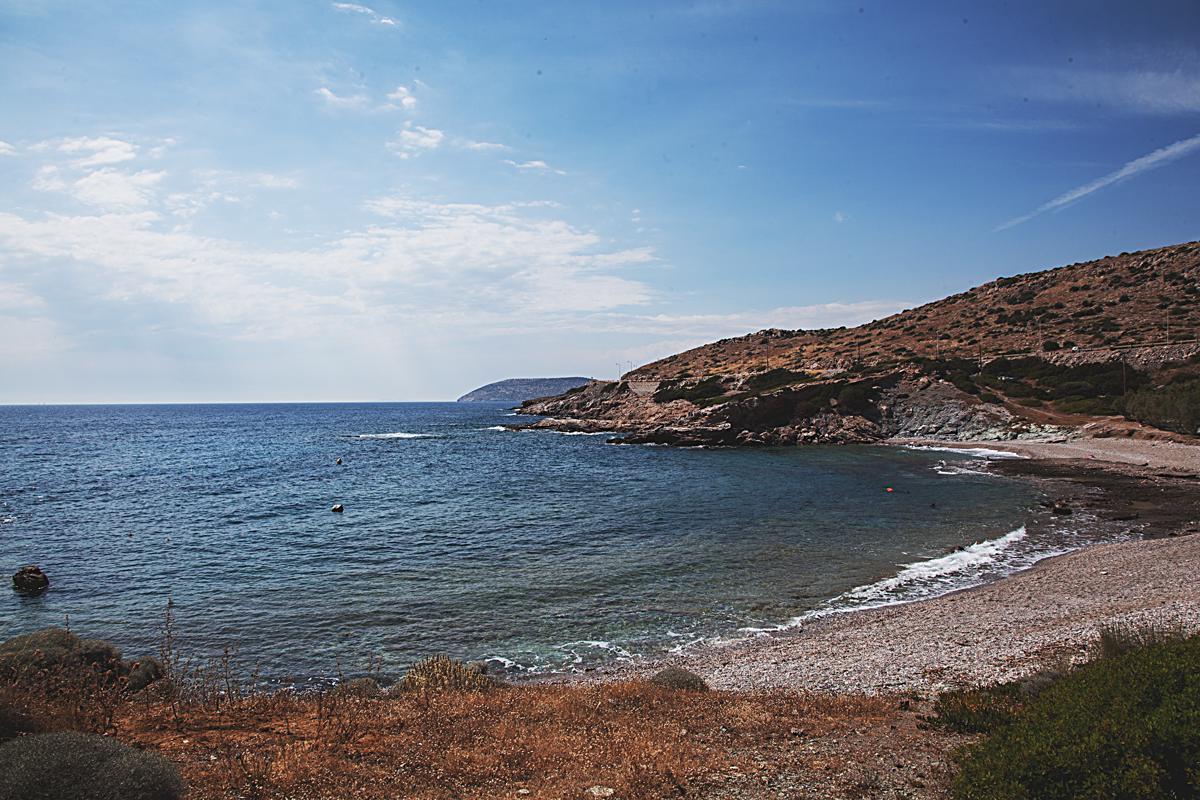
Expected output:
(922, 580)
(396, 435)
(495, 428)
(573, 649)
(975, 452)
(943, 468)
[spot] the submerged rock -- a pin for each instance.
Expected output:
(30, 580)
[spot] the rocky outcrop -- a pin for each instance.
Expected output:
(30, 580)
(840, 411)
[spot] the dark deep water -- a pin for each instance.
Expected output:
(538, 549)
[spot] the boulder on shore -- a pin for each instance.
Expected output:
(30, 580)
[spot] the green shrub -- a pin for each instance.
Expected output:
(976, 710)
(1117, 640)
(442, 673)
(80, 766)
(1123, 727)
(55, 649)
(1174, 407)
(680, 679)
(856, 398)
(988, 397)
(774, 378)
(693, 392)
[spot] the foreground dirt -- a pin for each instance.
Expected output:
(618, 740)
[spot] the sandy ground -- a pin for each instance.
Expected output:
(992, 633)
(1015, 626)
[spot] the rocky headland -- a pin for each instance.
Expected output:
(1107, 348)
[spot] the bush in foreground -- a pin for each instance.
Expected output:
(79, 766)
(444, 673)
(678, 678)
(1121, 727)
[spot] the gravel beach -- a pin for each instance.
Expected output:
(1014, 626)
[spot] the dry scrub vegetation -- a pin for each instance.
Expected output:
(553, 741)
(464, 737)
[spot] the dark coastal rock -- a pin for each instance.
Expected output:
(338, 508)
(30, 580)
(1062, 509)
(678, 678)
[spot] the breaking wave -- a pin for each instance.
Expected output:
(396, 435)
(976, 452)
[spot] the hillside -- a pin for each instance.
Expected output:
(1038, 354)
(518, 390)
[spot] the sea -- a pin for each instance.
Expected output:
(537, 551)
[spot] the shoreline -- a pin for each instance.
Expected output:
(1031, 619)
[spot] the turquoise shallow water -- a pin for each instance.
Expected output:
(537, 549)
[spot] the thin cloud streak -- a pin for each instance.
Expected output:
(1158, 158)
(370, 13)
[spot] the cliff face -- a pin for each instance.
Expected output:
(518, 390)
(1033, 356)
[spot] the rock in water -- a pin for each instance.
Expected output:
(31, 580)
(337, 509)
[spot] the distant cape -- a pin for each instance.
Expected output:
(518, 390)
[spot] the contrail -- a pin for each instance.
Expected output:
(1147, 162)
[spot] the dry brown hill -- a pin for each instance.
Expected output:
(1034, 355)
(1147, 298)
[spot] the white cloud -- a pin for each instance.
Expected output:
(7, 149)
(1137, 91)
(839, 217)
(411, 140)
(97, 152)
(48, 179)
(334, 100)
(1147, 162)
(420, 266)
(483, 146)
(533, 166)
(370, 13)
(401, 97)
(110, 189)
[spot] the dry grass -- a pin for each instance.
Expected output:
(540, 741)
(555, 741)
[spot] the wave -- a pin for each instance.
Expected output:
(942, 468)
(975, 452)
(572, 649)
(396, 435)
(495, 428)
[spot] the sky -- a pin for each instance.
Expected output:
(333, 201)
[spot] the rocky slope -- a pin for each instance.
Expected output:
(1033, 356)
(518, 390)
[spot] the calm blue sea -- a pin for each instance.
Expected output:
(536, 549)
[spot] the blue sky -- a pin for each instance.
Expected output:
(400, 201)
